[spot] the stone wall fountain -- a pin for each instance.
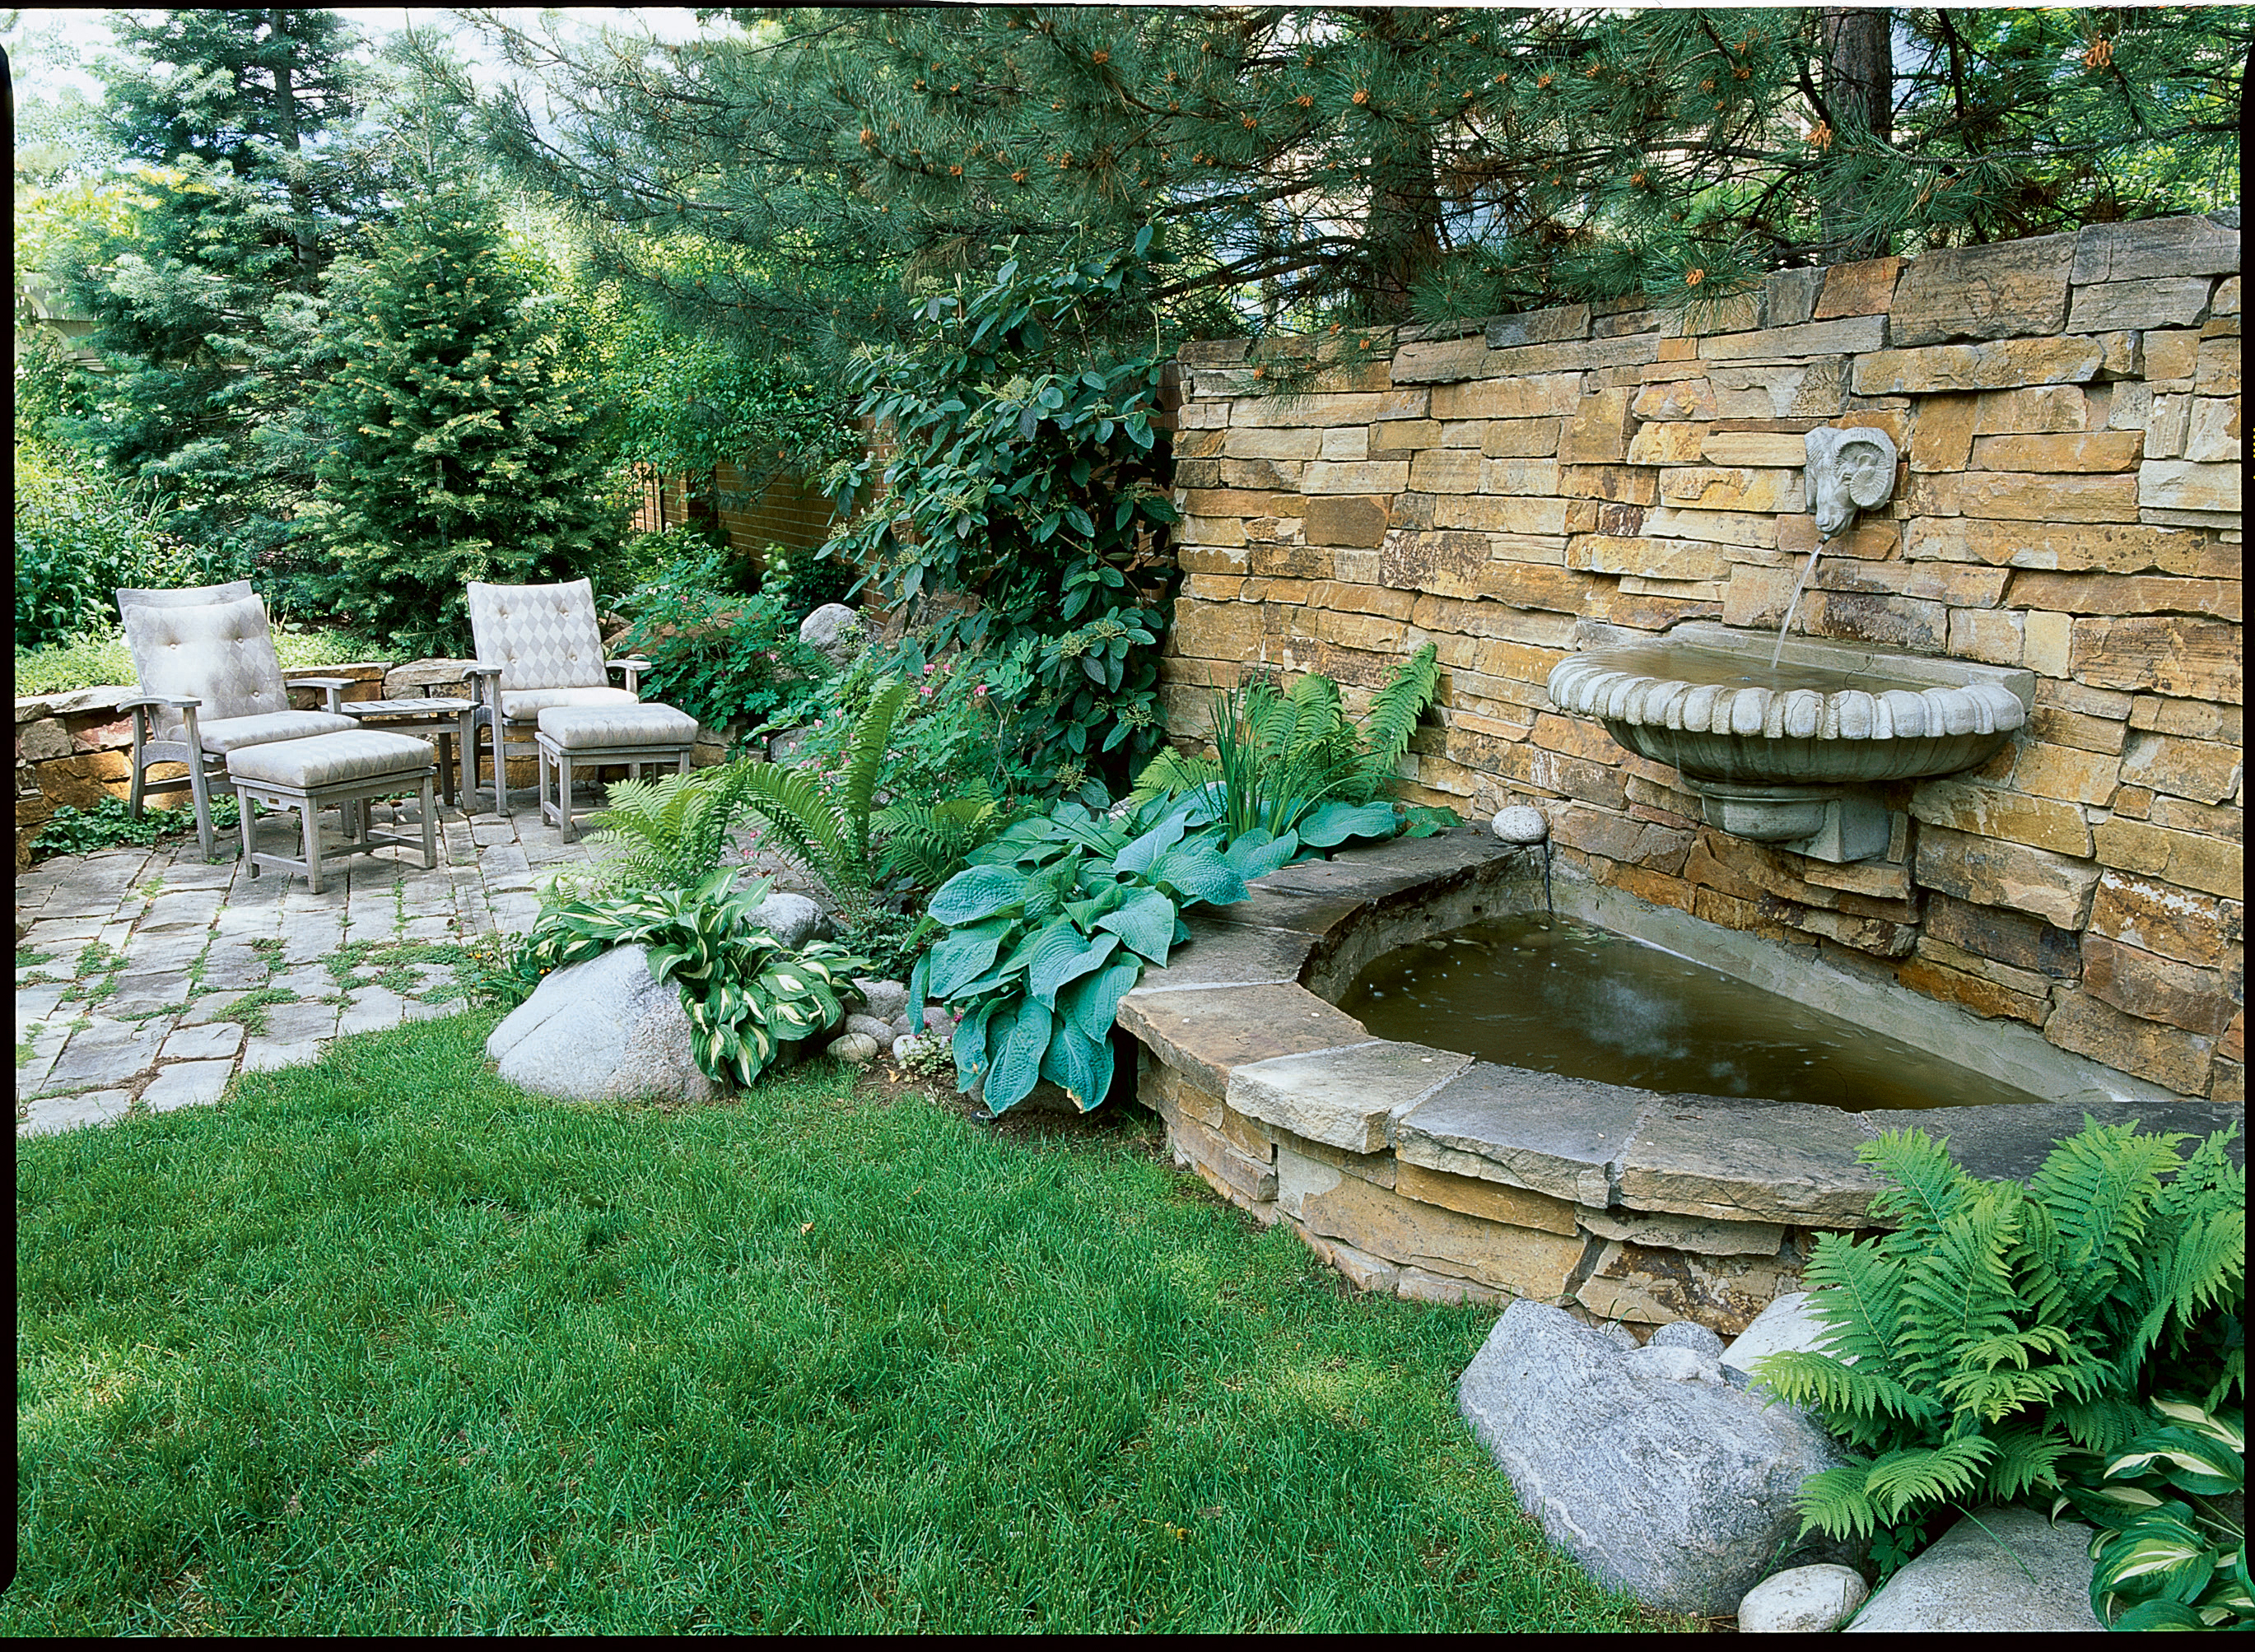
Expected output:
(1785, 739)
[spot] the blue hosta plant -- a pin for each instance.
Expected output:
(1055, 920)
(745, 993)
(2171, 1552)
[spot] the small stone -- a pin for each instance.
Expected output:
(1521, 825)
(856, 1049)
(1689, 1334)
(1786, 1323)
(904, 1047)
(1669, 1363)
(879, 1033)
(886, 1000)
(1802, 1601)
(900, 1026)
(793, 919)
(939, 1022)
(832, 630)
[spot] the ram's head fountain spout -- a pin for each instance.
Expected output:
(1847, 471)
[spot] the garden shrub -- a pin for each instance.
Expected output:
(80, 535)
(821, 820)
(724, 656)
(1040, 488)
(2002, 1330)
(961, 728)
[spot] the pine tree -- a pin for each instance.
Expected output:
(460, 449)
(809, 177)
(207, 300)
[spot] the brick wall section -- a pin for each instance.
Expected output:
(790, 512)
(2068, 414)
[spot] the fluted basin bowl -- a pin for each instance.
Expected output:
(1705, 700)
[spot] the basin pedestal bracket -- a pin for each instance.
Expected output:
(1836, 823)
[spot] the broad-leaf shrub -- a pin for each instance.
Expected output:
(746, 994)
(2170, 1506)
(79, 537)
(1054, 921)
(723, 656)
(1024, 470)
(2000, 1329)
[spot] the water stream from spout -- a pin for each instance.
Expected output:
(1799, 585)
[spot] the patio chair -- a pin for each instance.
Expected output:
(538, 645)
(210, 684)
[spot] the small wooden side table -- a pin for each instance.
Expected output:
(436, 719)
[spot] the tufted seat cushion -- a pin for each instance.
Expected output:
(595, 728)
(219, 653)
(230, 733)
(325, 759)
(522, 705)
(541, 636)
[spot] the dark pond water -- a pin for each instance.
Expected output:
(1560, 997)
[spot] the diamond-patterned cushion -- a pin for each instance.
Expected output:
(324, 759)
(230, 733)
(541, 636)
(219, 653)
(592, 728)
(523, 705)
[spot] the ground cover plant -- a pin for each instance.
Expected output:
(2171, 1507)
(99, 658)
(384, 1345)
(729, 657)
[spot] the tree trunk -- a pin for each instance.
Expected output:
(285, 123)
(1860, 78)
(1401, 234)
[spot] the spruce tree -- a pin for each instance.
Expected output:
(461, 442)
(208, 299)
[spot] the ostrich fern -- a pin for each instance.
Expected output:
(2001, 1329)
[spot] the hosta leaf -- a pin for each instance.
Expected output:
(1080, 1068)
(1069, 959)
(976, 893)
(970, 1046)
(1146, 923)
(1018, 1049)
(1137, 856)
(1196, 873)
(1256, 854)
(1091, 1004)
(963, 956)
(1328, 824)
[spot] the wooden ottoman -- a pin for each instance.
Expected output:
(594, 735)
(345, 769)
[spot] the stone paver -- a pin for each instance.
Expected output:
(152, 1024)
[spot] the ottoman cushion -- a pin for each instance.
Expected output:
(519, 705)
(574, 728)
(327, 759)
(267, 726)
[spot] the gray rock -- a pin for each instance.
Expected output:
(939, 1022)
(858, 1049)
(1786, 1324)
(793, 919)
(1672, 1364)
(879, 1033)
(600, 1031)
(901, 1027)
(1680, 1491)
(1803, 1600)
(2020, 1573)
(886, 1000)
(834, 630)
(907, 1045)
(1690, 1333)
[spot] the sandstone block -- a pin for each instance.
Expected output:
(1990, 635)
(2193, 859)
(1702, 1235)
(1722, 1293)
(2018, 939)
(1861, 289)
(2037, 411)
(2153, 988)
(1666, 444)
(1675, 399)
(1976, 367)
(1850, 336)
(1547, 395)
(1526, 1262)
(2093, 451)
(1344, 520)
(2161, 301)
(1987, 811)
(1716, 487)
(2172, 357)
(1445, 358)
(1540, 327)
(1445, 470)
(2104, 547)
(2006, 291)
(1597, 431)
(1649, 558)
(1270, 444)
(2022, 496)
(2206, 772)
(2182, 484)
(2218, 370)
(2066, 774)
(2150, 247)
(1371, 476)
(2187, 925)
(1975, 989)
(2174, 654)
(1341, 1097)
(1989, 872)
(2132, 593)
(1782, 449)
(2168, 1056)
(2212, 431)
(1491, 1201)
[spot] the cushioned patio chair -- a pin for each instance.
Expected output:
(210, 684)
(538, 645)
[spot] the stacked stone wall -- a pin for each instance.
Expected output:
(2068, 414)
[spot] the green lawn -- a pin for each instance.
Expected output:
(385, 1345)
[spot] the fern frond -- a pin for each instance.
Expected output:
(1395, 708)
(1835, 1503)
(1948, 1471)
(865, 755)
(1958, 1292)
(1170, 773)
(2098, 1187)
(793, 807)
(1928, 1185)
(2028, 1460)
(1858, 1296)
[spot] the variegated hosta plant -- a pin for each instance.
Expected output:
(745, 993)
(2171, 1552)
(1054, 921)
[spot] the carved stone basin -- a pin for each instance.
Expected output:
(1776, 751)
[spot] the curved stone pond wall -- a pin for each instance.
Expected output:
(1417, 1169)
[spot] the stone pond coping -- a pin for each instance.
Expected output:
(1421, 1171)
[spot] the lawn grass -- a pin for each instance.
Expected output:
(383, 1344)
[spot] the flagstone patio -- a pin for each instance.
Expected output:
(147, 978)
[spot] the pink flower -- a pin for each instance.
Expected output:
(927, 670)
(979, 693)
